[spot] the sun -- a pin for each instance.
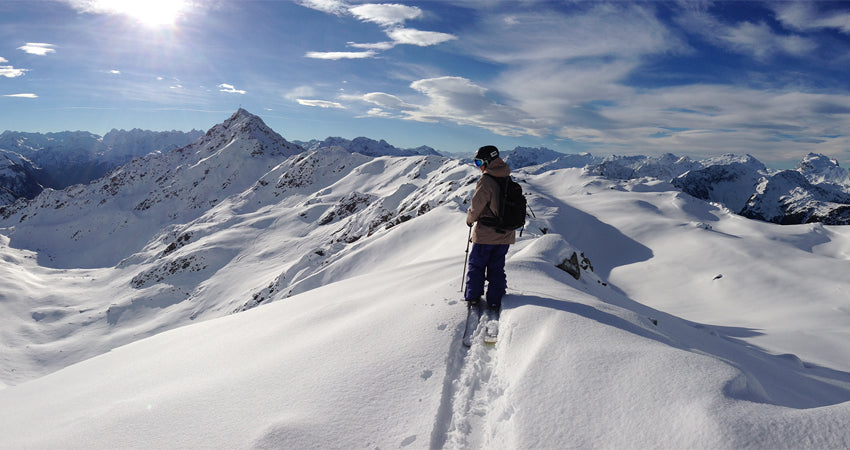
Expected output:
(148, 12)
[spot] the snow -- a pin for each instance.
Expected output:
(695, 328)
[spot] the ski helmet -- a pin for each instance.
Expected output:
(485, 155)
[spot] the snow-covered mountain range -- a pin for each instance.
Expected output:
(366, 146)
(817, 190)
(59, 160)
(246, 292)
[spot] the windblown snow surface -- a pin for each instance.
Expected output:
(695, 328)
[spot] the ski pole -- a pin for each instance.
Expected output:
(465, 259)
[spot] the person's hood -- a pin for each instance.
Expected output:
(498, 168)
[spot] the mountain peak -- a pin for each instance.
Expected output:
(244, 126)
(242, 113)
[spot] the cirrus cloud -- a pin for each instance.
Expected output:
(804, 17)
(28, 95)
(457, 100)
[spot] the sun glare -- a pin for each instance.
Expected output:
(148, 12)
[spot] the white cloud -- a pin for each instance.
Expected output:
(418, 37)
(387, 101)
(385, 14)
(21, 95)
(378, 112)
(803, 16)
(3, 60)
(761, 42)
(38, 48)
(553, 91)
(700, 119)
(756, 40)
(11, 72)
(229, 88)
(622, 30)
(390, 16)
(115, 72)
(300, 92)
(335, 7)
(373, 46)
(320, 103)
(457, 100)
(341, 55)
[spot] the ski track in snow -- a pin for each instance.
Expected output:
(473, 408)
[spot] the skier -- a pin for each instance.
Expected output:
(489, 245)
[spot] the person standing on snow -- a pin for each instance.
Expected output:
(489, 245)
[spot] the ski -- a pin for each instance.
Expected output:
(490, 319)
(473, 315)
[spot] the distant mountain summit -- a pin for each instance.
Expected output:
(368, 147)
(820, 169)
(249, 133)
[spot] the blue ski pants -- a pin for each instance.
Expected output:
(487, 262)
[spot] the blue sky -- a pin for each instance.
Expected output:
(695, 78)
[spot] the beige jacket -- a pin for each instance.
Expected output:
(485, 203)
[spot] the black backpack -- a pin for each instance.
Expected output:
(512, 207)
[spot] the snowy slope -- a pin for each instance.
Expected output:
(694, 327)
